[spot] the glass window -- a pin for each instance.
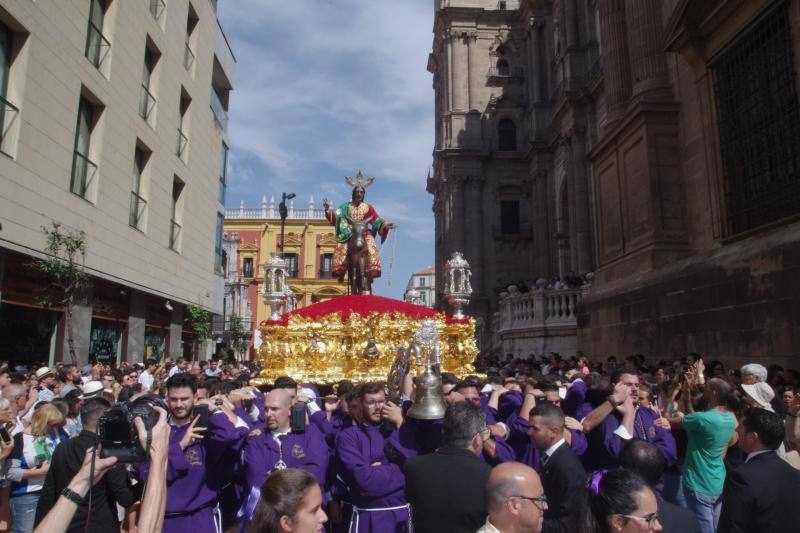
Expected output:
(138, 203)
(291, 264)
(223, 173)
(509, 217)
(218, 244)
(247, 267)
(82, 167)
(507, 135)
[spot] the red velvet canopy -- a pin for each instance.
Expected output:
(363, 304)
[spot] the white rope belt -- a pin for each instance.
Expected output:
(357, 510)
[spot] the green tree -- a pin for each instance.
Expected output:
(239, 336)
(64, 266)
(199, 322)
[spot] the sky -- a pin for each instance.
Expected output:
(324, 88)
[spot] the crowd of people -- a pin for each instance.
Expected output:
(530, 444)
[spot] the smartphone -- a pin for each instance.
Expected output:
(4, 435)
(203, 411)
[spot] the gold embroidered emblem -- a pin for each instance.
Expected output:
(297, 452)
(193, 458)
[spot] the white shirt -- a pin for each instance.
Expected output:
(754, 454)
(146, 379)
(174, 370)
(552, 449)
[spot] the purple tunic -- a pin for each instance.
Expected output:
(576, 396)
(196, 475)
(605, 445)
(372, 486)
(306, 450)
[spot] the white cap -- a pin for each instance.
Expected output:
(762, 393)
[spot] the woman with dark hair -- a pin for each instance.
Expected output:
(291, 501)
(621, 502)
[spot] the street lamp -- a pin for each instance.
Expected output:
(284, 213)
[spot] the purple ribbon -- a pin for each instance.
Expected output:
(248, 507)
(593, 485)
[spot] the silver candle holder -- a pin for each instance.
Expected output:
(457, 286)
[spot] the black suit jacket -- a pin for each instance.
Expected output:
(110, 490)
(675, 519)
(447, 490)
(564, 480)
(762, 495)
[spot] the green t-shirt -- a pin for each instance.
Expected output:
(709, 433)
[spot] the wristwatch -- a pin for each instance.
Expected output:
(72, 496)
(614, 403)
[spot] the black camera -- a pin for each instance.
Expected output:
(117, 432)
(298, 419)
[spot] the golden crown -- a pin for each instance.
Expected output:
(359, 181)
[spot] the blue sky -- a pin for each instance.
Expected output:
(324, 87)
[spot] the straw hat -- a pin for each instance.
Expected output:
(91, 389)
(43, 372)
(761, 393)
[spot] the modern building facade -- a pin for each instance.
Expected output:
(652, 143)
(114, 123)
(252, 235)
(424, 283)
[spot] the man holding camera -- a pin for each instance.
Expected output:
(197, 455)
(67, 460)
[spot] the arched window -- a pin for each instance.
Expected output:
(502, 68)
(506, 135)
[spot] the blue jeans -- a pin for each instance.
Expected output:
(23, 512)
(706, 508)
(673, 490)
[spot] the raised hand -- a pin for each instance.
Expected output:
(192, 434)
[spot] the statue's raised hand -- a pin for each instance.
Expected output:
(326, 204)
(391, 225)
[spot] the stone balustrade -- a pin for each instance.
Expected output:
(537, 322)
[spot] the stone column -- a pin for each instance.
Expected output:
(582, 233)
(648, 60)
(475, 219)
(175, 332)
(536, 77)
(136, 325)
(616, 65)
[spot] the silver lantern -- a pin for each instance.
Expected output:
(275, 287)
(457, 286)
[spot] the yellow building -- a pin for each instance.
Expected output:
(252, 234)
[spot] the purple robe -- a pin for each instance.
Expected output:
(306, 450)
(576, 396)
(605, 445)
(371, 486)
(196, 475)
(526, 453)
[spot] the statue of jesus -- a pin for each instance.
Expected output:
(351, 217)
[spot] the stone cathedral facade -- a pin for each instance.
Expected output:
(654, 143)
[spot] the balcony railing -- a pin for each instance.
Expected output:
(507, 73)
(220, 115)
(183, 142)
(97, 46)
(174, 235)
(8, 117)
(147, 102)
(539, 309)
(157, 8)
(138, 205)
(83, 174)
(188, 56)
(272, 212)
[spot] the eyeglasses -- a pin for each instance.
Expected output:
(650, 519)
(373, 403)
(541, 501)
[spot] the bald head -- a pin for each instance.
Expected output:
(510, 494)
(278, 407)
(282, 396)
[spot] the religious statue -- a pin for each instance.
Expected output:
(356, 224)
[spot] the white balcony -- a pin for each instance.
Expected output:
(537, 322)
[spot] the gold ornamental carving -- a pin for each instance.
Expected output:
(361, 348)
